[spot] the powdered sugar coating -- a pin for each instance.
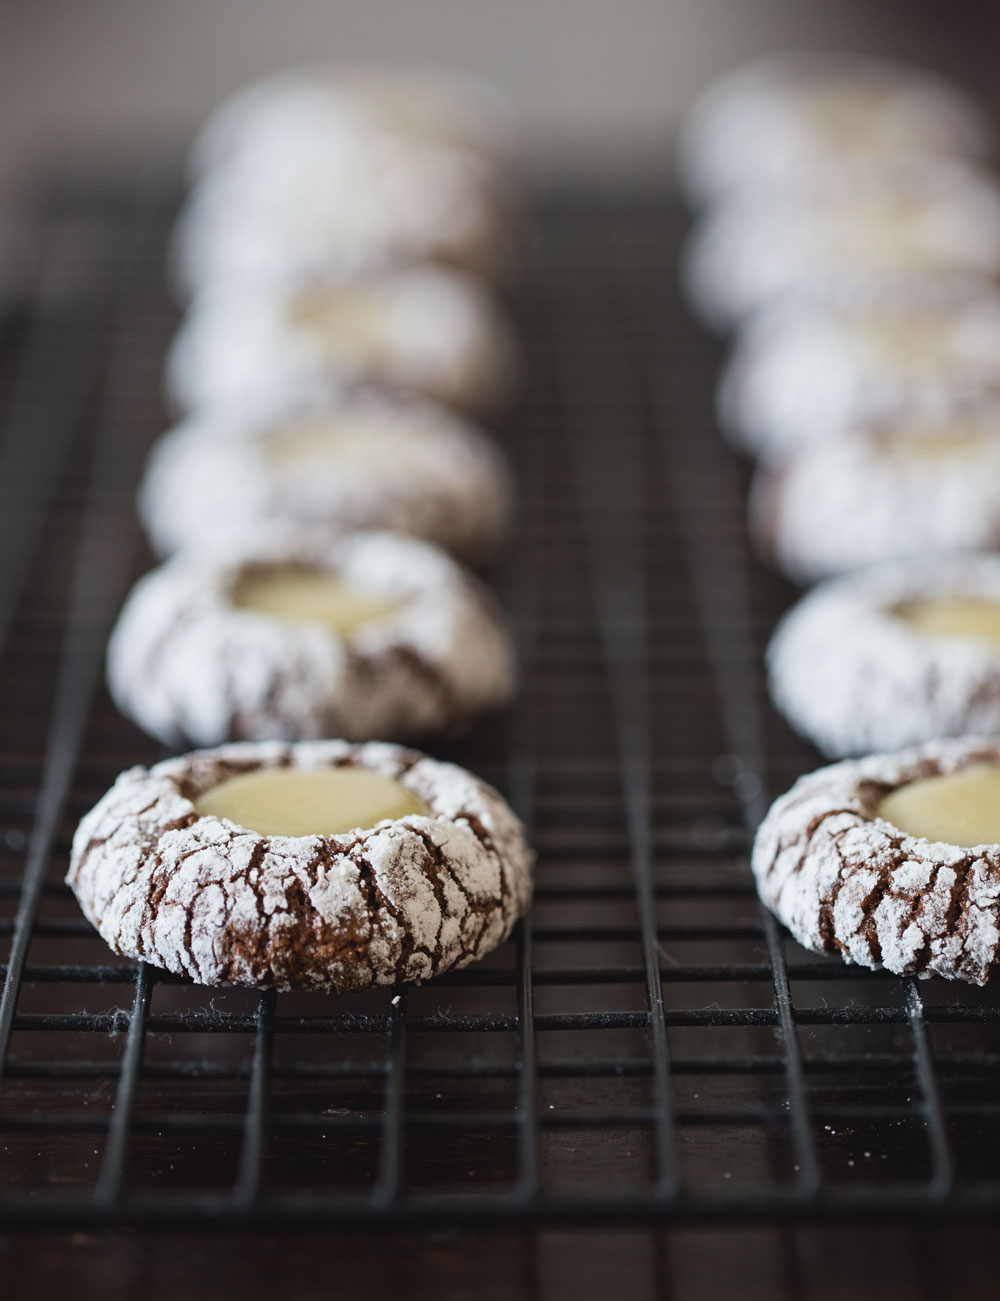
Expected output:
(852, 676)
(927, 237)
(211, 480)
(865, 497)
(776, 120)
(802, 373)
(200, 896)
(335, 211)
(191, 668)
(430, 331)
(847, 882)
(318, 107)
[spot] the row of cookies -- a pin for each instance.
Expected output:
(347, 226)
(865, 379)
(853, 236)
(335, 255)
(316, 506)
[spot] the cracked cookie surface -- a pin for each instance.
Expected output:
(846, 882)
(192, 667)
(802, 374)
(878, 494)
(202, 897)
(427, 331)
(322, 463)
(852, 675)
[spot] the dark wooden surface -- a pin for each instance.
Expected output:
(706, 1264)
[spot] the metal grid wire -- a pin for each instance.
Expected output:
(651, 1047)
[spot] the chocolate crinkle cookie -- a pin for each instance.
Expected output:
(892, 656)
(878, 494)
(317, 108)
(801, 374)
(375, 635)
(369, 205)
(782, 119)
(324, 462)
(426, 331)
(890, 862)
(321, 865)
(931, 237)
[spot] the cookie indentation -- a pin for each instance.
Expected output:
(310, 596)
(959, 808)
(955, 616)
(290, 802)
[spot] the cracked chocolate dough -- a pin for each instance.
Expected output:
(892, 861)
(322, 465)
(879, 494)
(374, 635)
(425, 330)
(801, 375)
(780, 120)
(321, 865)
(892, 656)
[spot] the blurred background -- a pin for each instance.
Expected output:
(600, 83)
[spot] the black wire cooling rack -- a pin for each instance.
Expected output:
(652, 1048)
